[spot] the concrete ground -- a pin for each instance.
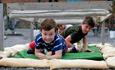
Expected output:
(13, 40)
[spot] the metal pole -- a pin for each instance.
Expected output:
(103, 33)
(1, 28)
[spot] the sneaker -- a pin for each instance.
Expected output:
(30, 51)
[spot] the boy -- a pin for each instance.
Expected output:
(48, 43)
(75, 34)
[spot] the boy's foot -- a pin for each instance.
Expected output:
(74, 49)
(30, 51)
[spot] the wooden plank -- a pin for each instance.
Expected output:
(58, 13)
(60, 5)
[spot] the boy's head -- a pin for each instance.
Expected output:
(87, 24)
(48, 30)
(60, 28)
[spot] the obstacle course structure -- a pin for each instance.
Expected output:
(58, 63)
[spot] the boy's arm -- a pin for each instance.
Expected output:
(68, 41)
(39, 54)
(85, 44)
(57, 55)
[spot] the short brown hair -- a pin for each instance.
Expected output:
(48, 24)
(89, 20)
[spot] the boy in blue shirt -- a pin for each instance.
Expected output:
(48, 43)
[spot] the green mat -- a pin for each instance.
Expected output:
(94, 55)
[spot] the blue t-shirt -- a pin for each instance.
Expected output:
(57, 44)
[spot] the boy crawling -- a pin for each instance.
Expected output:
(75, 33)
(48, 43)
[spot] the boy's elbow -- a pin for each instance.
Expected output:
(59, 56)
(36, 54)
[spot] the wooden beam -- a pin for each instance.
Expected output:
(58, 13)
(58, 21)
(61, 5)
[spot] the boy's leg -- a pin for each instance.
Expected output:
(73, 49)
(32, 45)
(32, 48)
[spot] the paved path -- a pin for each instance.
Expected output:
(12, 40)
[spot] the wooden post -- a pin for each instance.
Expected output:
(1, 28)
(103, 33)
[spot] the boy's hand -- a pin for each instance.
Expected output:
(49, 53)
(86, 50)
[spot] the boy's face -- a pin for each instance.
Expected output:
(86, 28)
(48, 36)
